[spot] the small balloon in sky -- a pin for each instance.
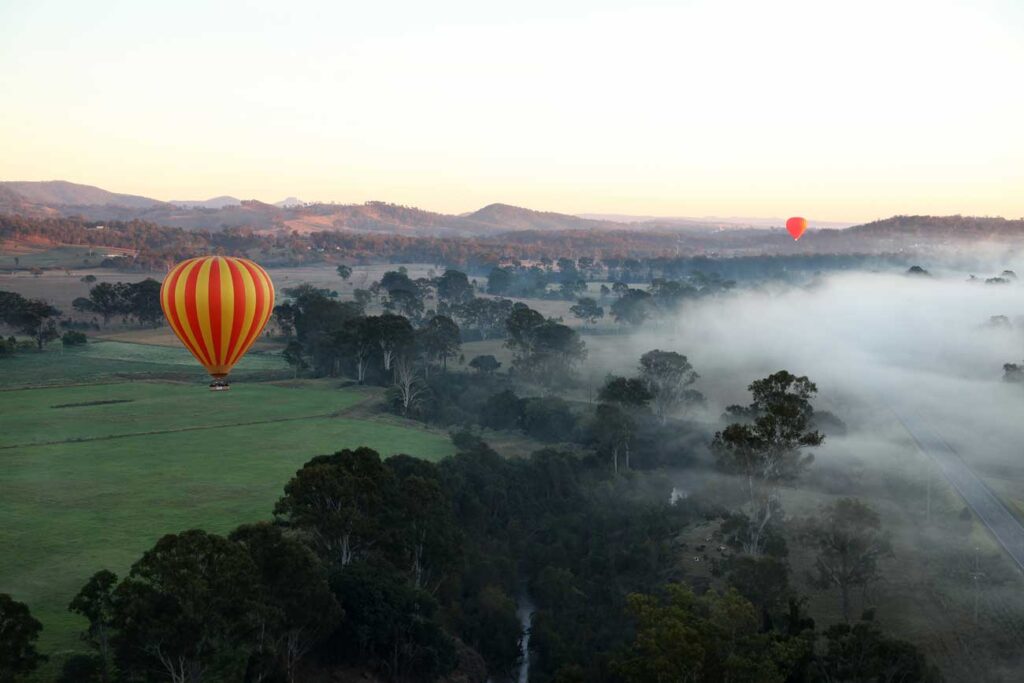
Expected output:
(796, 226)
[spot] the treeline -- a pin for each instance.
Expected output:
(625, 256)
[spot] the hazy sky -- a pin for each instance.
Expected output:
(835, 110)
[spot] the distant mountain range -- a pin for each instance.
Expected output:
(55, 199)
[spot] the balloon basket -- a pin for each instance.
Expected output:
(219, 384)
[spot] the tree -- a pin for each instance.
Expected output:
(633, 307)
(142, 300)
(486, 316)
(628, 392)
(95, 602)
(72, 338)
(293, 356)
(485, 364)
(849, 539)
(440, 339)
(337, 501)
(764, 581)
(544, 349)
(393, 335)
(409, 387)
(344, 272)
(861, 652)
(297, 607)
(668, 376)
(572, 289)
(453, 288)
(614, 430)
(33, 317)
(408, 303)
(397, 280)
(19, 631)
(391, 622)
(503, 410)
(427, 533)
(521, 325)
(187, 606)
(107, 299)
(765, 447)
(587, 310)
(499, 281)
(708, 638)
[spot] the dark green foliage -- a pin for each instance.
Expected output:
(391, 623)
(339, 501)
(18, 633)
(503, 410)
(764, 446)
(440, 339)
(485, 364)
(482, 318)
(296, 608)
(849, 540)
(138, 300)
(708, 638)
(861, 652)
(453, 288)
(186, 608)
(545, 351)
(95, 602)
(73, 338)
(33, 317)
(587, 310)
(82, 669)
(548, 419)
(627, 392)
(634, 307)
(499, 281)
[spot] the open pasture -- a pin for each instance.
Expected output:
(93, 475)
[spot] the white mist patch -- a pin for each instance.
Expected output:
(867, 340)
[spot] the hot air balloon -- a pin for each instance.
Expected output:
(217, 306)
(796, 226)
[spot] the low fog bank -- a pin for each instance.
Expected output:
(870, 341)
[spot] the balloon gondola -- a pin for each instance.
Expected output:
(217, 306)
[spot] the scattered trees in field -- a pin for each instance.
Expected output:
(138, 300)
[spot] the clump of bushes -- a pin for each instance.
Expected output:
(72, 338)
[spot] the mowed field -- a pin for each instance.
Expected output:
(98, 460)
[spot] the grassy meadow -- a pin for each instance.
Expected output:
(98, 460)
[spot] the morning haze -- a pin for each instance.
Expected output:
(461, 343)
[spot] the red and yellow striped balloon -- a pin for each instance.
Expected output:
(217, 306)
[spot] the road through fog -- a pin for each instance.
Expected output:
(1003, 525)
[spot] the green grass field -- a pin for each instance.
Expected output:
(91, 475)
(114, 360)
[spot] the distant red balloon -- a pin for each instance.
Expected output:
(796, 226)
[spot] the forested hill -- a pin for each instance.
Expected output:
(946, 227)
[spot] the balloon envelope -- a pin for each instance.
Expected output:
(796, 226)
(217, 306)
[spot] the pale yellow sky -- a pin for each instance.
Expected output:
(834, 110)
